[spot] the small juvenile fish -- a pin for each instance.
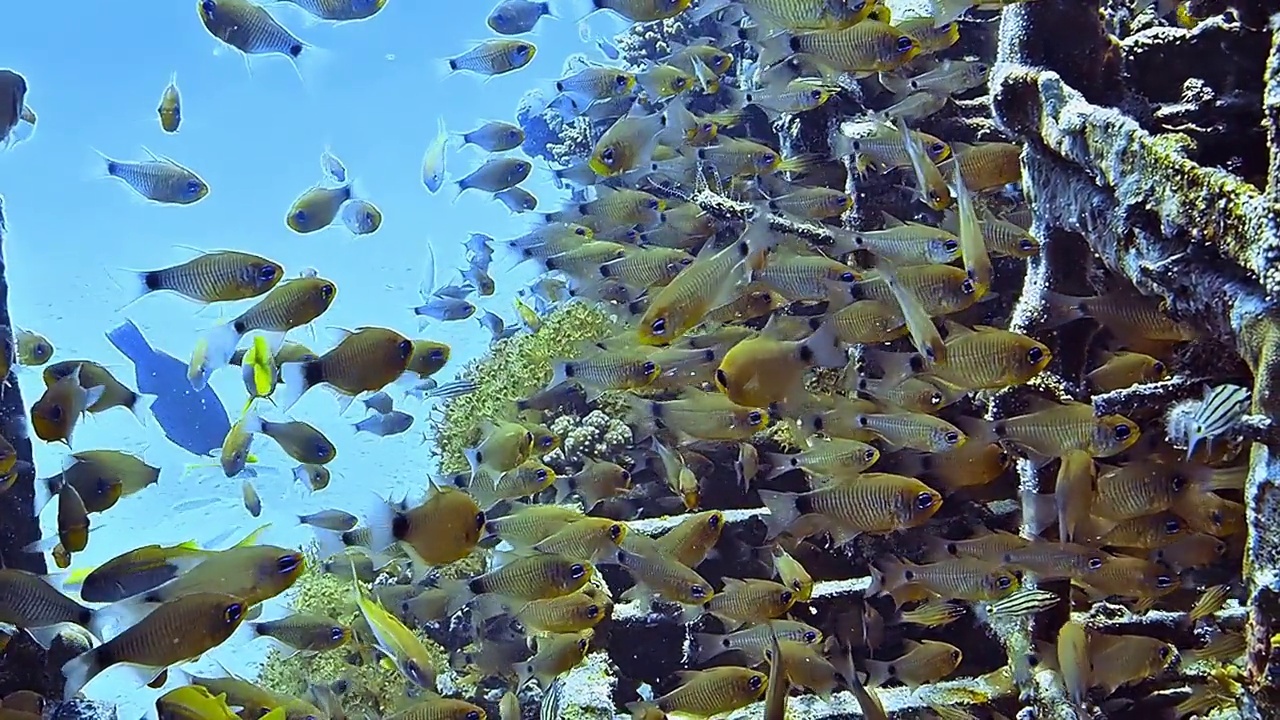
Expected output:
(445, 309)
(597, 480)
(594, 83)
(361, 217)
(341, 10)
(385, 424)
(831, 457)
(158, 179)
(494, 57)
(305, 631)
(219, 276)
(1218, 412)
(252, 502)
(433, 161)
(250, 29)
(73, 520)
(428, 358)
(335, 520)
(31, 349)
(553, 656)
(170, 108)
(317, 208)
(332, 167)
(516, 17)
(55, 414)
(496, 174)
(924, 662)
(1122, 369)
(315, 477)
(495, 136)
(517, 199)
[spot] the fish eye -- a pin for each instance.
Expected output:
(473, 715)
(1003, 458)
(341, 686)
(722, 378)
(541, 474)
(754, 417)
(546, 441)
(858, 6)
(658, 327)
(713, 522)
(582, 644)
(577, 570)
(327, 290)
(815, 94)
(323, 449)
(336, 634)
(951, 438)
(286, 564)
(1034, 356)
(614, 531)
(937, 148)
(697, 591)
(648, 368)
(1216, 517)
(522, 50)
(480, 519)
(54, 412)
(1172, 526)
(967, 287)
(593, 611)
(208, 7)
(1164, 653)
(267, 273)
(950, 246)
(924, 501)
(406, 348)
(1026, 245)
(232, 613)
(581, 231)
(1164, 581)
(193, 187)
(436, 355)
(755, 683)
(810, 636)
(679, 84)
(1004, 582)
(1219, 548)
(621, 80)
(608, 156)
(1094, 563)
(846, 276)
(415, 673)
(767, 159)
(1122, 432)
(869, 455)
(786, 596)
(1158, 368)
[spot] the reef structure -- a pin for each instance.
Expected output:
(1202, 239)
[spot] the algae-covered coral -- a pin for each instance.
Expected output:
(511, 370)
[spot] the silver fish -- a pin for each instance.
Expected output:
(158, 179)
(495, 136)
(496, 174)
(517, 199)
(446, 309)
(335, 520)
(332, 167)
(516, 17)
(249, 28)
(379, 402)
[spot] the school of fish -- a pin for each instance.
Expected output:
(773, 327)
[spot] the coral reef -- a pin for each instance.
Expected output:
(596, 435)
(513, 369)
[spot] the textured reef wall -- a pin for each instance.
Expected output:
(1126, 151)
(22, 662)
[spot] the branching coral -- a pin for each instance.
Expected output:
(597, 435)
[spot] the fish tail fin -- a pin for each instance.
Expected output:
(45, 489)
(778, 463)
(823, 348)
(380, 520)
(710, 645)
(134, 283)
(309, 62)
(1039, 511)
(141, 407)
(102, 166)
(79, 670)
(1061, 309)
(878, 673)
(296, 379)
(213, 351)
(783, 510)
(894, 366)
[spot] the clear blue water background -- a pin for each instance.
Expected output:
(95, 72)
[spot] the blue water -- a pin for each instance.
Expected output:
(95, 72)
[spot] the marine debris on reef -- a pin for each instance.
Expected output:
(926, 395)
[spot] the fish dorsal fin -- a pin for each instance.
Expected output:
(252, 537)
(955, 329)
(891, 221)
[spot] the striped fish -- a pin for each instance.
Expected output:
(1022, 603)
(1219, 411)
